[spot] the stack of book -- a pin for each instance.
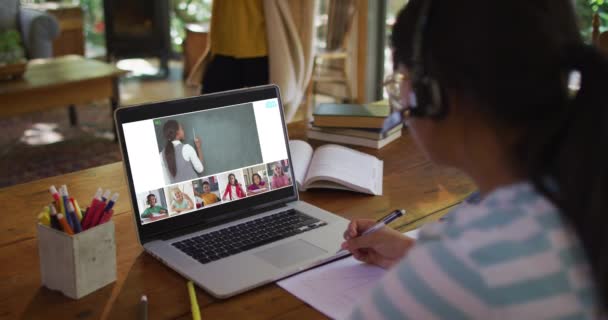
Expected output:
(369, 125)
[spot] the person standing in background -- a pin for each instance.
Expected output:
(239, 51)
(288, 35)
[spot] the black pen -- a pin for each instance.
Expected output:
(384, 221)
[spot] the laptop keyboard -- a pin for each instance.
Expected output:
(252, 234)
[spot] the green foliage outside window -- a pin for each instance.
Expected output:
(11, 50)
(182, 13)
(585, 10)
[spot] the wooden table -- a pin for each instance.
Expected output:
(410, 181)
(60, 82)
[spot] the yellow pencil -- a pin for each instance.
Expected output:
(77, 208)
(196, 313)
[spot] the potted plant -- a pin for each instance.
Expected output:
(12, 56)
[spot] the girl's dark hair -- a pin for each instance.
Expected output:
(148, 197)
(169, 132)
(513, 58)
(255, 174)
(236, 182)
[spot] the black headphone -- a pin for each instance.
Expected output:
(429, 98)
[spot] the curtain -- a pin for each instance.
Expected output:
(290, 34)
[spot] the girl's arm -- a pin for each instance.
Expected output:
(226, 192)
(190, 202)
(199, 149)
(189, 154)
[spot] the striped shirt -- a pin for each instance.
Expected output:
(511, 256)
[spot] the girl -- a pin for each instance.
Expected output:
(279, 178)
(180, 160)
(153, 208)
(486, 90)
(258, 184)
(181, 202)
(233, 189)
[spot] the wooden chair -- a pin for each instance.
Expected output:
(329, 65)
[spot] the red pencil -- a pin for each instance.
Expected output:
(86, 220)
(93, 215)
(106, 217)
(55, 195)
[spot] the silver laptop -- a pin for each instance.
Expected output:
(213, 190)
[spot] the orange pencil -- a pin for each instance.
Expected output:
(64, 224)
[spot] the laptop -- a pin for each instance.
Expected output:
(213, 190)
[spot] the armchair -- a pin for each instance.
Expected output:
(38, 29)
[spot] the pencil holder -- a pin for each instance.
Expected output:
(80, 264)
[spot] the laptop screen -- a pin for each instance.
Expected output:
(188, 163)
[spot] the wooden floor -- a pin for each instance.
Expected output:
(137, 91)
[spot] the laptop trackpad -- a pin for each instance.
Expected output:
(290, 253)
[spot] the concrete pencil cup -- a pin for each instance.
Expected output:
(80, 264)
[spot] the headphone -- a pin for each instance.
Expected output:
(428, 99)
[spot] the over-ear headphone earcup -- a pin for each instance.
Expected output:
(429, 98)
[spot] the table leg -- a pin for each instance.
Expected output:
(114, 104)
(73, 115)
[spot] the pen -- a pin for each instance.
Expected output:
(381, 223)
(384, 221)
(63, 191)
(94, 211)
(106, 195)
(72, 213)
(55, 195)
(99, 214)
(110, 204)
(54, 221)
(196, 313)
(64, 224)
(143, 307)
(76, 209)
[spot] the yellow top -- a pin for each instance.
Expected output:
(238, 28)
(209, 198)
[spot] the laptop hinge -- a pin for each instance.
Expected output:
(217, 221)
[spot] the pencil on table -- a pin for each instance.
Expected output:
(196, 313)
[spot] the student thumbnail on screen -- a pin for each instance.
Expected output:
(231, 185)
(152, 206)
(206, 191)
(181, 198)
(281, 174)
(256, 179)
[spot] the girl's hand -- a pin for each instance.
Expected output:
(384, 247)
(197, 142)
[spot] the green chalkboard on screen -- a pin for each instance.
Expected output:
(229, 137)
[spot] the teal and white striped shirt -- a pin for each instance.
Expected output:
(511, 256)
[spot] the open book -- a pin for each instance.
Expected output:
(335, 167)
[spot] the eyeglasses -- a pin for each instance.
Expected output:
(393, 84)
